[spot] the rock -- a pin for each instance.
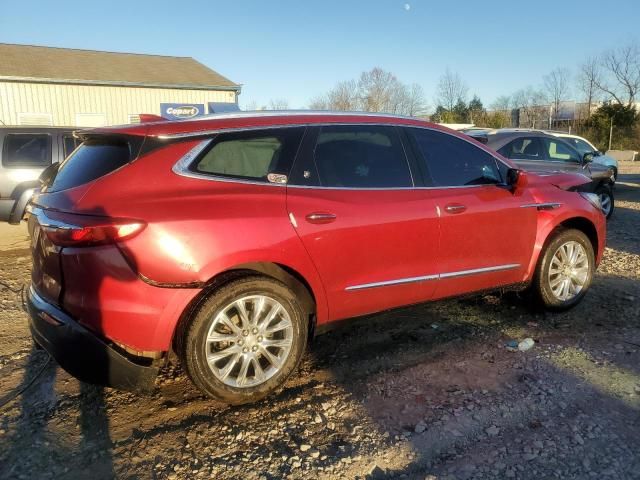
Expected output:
(420, 427)
(637, 389)
(578, 439)
(304, 447)
(492, 431)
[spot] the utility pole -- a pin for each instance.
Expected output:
(610, 132)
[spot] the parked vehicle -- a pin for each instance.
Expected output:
(537, 151)
(233, 238)
(25, 152)
(584, 146)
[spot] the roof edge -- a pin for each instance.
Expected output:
(115, 83)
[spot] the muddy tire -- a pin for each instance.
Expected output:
(245, 340)
(565, 270)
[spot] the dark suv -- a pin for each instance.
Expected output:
(25, 152)
(536, 151)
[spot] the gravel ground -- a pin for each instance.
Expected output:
(427, 392)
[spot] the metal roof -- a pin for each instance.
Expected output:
(32, 63)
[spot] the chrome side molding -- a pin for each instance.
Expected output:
(460, 273)
(387, 283)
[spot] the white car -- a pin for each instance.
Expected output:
(585, 146)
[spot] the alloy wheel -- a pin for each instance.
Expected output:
(605, 201)
(568, 270)
(249, 341)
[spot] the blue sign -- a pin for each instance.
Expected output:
(181, 111)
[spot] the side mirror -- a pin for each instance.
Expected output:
(512, 176)
(587, 157)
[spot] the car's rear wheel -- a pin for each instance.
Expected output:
(245, 340)
(606, 199)
(565, 270)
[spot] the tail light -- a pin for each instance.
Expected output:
(67, 230)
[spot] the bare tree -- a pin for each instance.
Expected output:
(502, 103)
(622, 68)
(556, 85)
(251, 106)
(380, 91)
(451, 89)
(278, 104)
(375, 91)
(526, 100)
(415, 103)
(588, 78)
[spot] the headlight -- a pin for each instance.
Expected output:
(593, 199)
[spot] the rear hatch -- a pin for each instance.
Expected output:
(54, 224)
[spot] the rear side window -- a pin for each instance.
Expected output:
(92, 160)
(251, 155)
(26, 150)
(523, 148)
(361, 156)
(453, 162)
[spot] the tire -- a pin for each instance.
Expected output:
(544, 280)
(238, 343)
(605, 192)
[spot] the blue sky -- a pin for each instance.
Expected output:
(298, 49)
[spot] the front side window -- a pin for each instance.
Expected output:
(26, 150)
(453, 162)
(580, 145)
(558, 150)
(361, 156)
(251, 155)
(523, 148)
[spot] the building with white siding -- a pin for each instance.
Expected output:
(87, 88)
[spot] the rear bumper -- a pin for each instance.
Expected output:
(81, 353)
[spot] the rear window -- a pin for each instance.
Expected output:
(92, 160)
(26, 150)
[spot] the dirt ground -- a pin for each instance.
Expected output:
(428, 392)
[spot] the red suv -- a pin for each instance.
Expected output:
(231, 239)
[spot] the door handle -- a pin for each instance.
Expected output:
(455, 208)
(320, 217)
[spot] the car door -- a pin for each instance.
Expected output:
(486, 236)
(562, 156)
(372, 236)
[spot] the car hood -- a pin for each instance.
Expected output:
(562, 180)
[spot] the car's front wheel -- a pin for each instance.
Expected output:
(565, 270)
(606, 199)
(245, 340)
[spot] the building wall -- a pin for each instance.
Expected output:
(90, 105)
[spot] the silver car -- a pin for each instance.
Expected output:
(25, 152)
(540, 152)
(584, 146)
